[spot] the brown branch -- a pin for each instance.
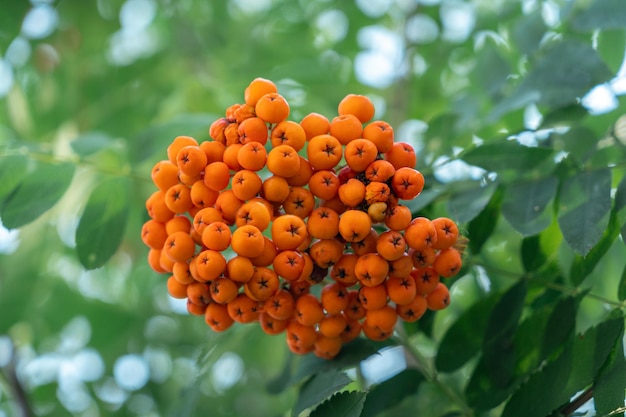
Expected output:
(577, 402)
(18, 392)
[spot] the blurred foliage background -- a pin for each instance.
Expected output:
(515, 108)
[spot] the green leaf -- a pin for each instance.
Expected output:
(425, 198)
(39, 190)
(564, 73)
(90, 142)
(525, 203)
(319, 387)
(351, 355)
(391, 392)
(564, 116)
(342, 404)
(601, 14)
(464, 338)
(492, 378)
(492, 70)
(609, 42)
(13, 169)
(483, 225)
(467, 204)
(571, 372)
(579, 142)
(528, 32)
(533, 257)
(280, 382)
(609, 387)
(585, 201)
(621, 288)
(506, 155)
(102, 224)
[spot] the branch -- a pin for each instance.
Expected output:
(17, 390)
(569, 408)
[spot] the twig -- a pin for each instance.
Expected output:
(577, 402)
(18, 393)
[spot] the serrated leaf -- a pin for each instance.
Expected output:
(467, 204)
(579, 142)
(102, 224)
(609, 387)
(39, 190)
(533, 257)
(342, 404)
(601, 14)
(585, 201)
(506, 155)
(572, 371)
(12, 171)
(90, 142)
(319, 387)
(464, 338)
(391, 392)
(610, 41)
(525, 202)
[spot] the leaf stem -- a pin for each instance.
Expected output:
(577, 402)
(425, 367)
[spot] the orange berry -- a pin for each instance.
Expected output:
(230, 156)
(253, 129)
(426, 279)
(309, 310)
(191, 160)
(300, 202)
(371, 269)
(217, 128)
(252, 156)
(447, 232)
(323, 223)
(448, 262)
(367, 244)
(438, 298)
(377, 192)
(420, 233)
(254, 213)
(332, 325)
(179, 247)
(164, 174)
(343, 270)
(384, 318)
(202, 196)
(182, 273)
(248, 241)
(216, 236)
(246, 184)
(228, 205)
(315, 124)
(352, 193)
(176, 289)
(283, 161)
(213, 150)
(272, 108)
(257, 89)
(263, 284)
(359, 153)
(288, 231)
(270, 325)
(205, 217)
(390, 245)
(275, 189)
(380, 171)
(381, 133)
(267, 256)
(334, 298)
(401, 267)
(239, 269)
(401, 155)
(288, 264)
(210, 264)
(177, 144)
(288, 133)
(351, 331)
(324, 184)
(153, 234)
(401, 290)
(373, 298)
(303, 175)
(218, 317)
(156, 207)
(243, 309)
(414, 310)
(354, 225)
(216, 175)
(199, 293)
(357, 105)
(301, 335)
(324, 152)
(398, 217)
(326, 252)
(355, 310)
(346, 128)
(423, 257)
(280, 305)
(178, 198)
(407, 183)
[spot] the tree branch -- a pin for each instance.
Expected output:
(569, 408)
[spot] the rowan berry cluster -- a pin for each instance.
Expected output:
(298, 226)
